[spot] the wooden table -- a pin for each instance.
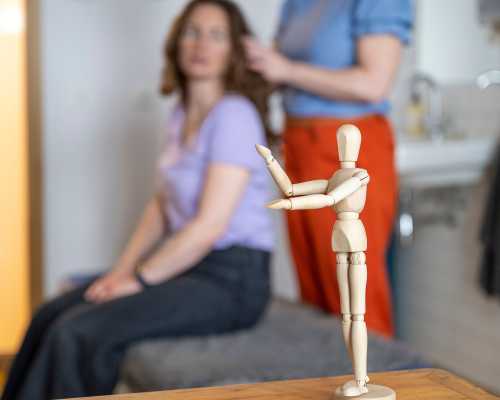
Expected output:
(422, 384)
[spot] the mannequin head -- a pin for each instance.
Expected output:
(348, 142)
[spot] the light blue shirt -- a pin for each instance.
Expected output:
(324, 33)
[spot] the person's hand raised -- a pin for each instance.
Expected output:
(273, 66)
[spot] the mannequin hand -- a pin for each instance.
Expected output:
(265, 153)
(112, 286)
(273, 66)
(280, 204)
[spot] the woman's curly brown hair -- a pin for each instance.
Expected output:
(239, 79)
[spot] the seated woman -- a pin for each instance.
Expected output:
(198, 262)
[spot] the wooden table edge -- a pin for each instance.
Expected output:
(438, 376)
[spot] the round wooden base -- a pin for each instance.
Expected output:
(375, 392)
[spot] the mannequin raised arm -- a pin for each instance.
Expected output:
(308, 202)
(283, 181)
(315, 201)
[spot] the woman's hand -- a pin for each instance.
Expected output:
(111, 286)
(273, 66)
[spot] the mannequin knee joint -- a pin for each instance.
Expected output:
(358, 258)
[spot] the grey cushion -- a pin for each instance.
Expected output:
(291, 341)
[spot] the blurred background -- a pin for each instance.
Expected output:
(81, 122)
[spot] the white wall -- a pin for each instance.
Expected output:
(451, 44)
(102, 124)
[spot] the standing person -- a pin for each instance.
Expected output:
(210, 273)
(336, 61)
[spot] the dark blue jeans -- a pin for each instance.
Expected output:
(74, 348)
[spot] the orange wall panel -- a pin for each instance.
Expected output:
(14, 297)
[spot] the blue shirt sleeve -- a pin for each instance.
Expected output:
(385, 17)
(237, 129)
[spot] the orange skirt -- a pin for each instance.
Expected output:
(310, 150)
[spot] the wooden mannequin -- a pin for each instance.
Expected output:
(345, 191)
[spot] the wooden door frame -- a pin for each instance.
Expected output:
(5, 362)
(35, 153)
(34, 159)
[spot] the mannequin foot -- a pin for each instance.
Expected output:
(363, 388)
(354, 388)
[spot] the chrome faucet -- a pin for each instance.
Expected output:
(488, 78)
(426, 90)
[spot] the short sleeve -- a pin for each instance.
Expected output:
(237, 128)
(383, 16)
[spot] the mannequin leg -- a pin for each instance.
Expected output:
(358, 388)
(345, 307)
(359, 337)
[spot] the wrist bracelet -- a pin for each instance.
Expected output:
(141, 280)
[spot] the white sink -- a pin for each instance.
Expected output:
(449, 162)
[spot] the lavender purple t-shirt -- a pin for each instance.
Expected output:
(227, 136)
